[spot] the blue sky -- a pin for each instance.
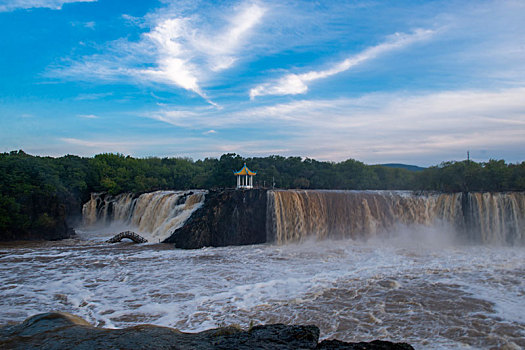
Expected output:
(416, 82)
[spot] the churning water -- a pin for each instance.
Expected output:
(416, 287)
(435, 270)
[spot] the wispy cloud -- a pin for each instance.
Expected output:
(293, 84)
(93, 96)
(11, 5)
(382, 127)
(377, 127)
(88, 116)
(179, 50)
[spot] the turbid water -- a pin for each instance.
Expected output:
(415, 288)
(360, 265)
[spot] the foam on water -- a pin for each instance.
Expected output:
(154, 215)
(433, 296)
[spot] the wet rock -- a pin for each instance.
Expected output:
(228, 217)
(66, 331)
(373, 345)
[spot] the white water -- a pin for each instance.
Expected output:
(415, 287)
(410, 281)
(154, 215)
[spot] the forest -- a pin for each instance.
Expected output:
(35, 190)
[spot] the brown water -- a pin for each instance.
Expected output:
(487, 218)
(435, 270)
(415, 286)
(155, 215)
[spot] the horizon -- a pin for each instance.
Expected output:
(303, 158)
(378, 82)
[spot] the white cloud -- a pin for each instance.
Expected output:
(293, 84)
(178, 50)
(173, 58)
(11, 5)
(223, 47)
(88, 116)
(180, 117)
(421, 128)
(384, 127)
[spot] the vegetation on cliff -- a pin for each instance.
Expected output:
(37, 194)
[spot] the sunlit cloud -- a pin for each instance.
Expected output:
(392, 126)
(178, 50)
(293, 84)
(11, 5)
(326, 80)
(377, 127)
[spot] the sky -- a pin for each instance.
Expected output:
(415, 82)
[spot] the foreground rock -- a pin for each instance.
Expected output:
(66, 331)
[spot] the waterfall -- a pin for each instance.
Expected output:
(294, 215)
(154, 215)
(496, 217)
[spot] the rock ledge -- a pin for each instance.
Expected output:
(65, 331)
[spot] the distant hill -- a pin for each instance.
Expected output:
(403, 166)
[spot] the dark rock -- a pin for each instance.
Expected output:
(228, 217)
(334, 344)
(66, 331)
(43, 217)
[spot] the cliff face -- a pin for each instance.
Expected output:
(43, 217)
(228, 217)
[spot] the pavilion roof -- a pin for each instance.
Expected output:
(245, 171)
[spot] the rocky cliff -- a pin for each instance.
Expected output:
(41, 217)
(227, 217)
(66, 331)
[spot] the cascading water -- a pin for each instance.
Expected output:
(433, 296)
(154, 215)
(295, 215)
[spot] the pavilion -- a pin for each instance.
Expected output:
(244, 177)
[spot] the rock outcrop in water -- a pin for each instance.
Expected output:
(228, 217)
(66, 331)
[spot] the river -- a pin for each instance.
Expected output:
(417, 286)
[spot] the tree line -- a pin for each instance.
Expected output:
(34, 190)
